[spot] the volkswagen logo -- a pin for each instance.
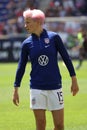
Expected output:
(43, 60)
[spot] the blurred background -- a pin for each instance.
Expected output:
(66, 17)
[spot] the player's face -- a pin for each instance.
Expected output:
(30, 25)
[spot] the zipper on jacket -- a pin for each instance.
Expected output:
(40, 43)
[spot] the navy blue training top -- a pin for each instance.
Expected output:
(43, 50)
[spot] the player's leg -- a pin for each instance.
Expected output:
(38, 105)
(58, 118)
(40, 119)
(56, 106)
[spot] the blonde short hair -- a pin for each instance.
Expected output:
(35, 14)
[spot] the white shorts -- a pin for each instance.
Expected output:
(46, 99)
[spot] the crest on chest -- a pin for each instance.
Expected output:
(46, 40)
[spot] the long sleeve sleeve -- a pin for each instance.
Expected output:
(64, 54)
(21, 65)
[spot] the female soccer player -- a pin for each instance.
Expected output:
(42, 47)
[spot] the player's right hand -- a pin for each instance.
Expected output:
(16, 98)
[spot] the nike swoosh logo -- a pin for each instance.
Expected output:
(47, 46)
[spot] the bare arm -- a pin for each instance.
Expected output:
(16, 96)
(74, 86)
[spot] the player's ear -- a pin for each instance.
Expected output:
(39, 22)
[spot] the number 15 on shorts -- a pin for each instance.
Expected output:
(60, 97)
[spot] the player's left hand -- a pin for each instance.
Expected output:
(74, 89)
(74, 86)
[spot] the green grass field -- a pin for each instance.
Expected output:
(21, 117)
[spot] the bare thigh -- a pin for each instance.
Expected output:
(40, 118)
(58, 118)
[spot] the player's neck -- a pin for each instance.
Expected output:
(39, 31)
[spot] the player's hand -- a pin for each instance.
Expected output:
(74, 86)
(16, 98)
(74, 89)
